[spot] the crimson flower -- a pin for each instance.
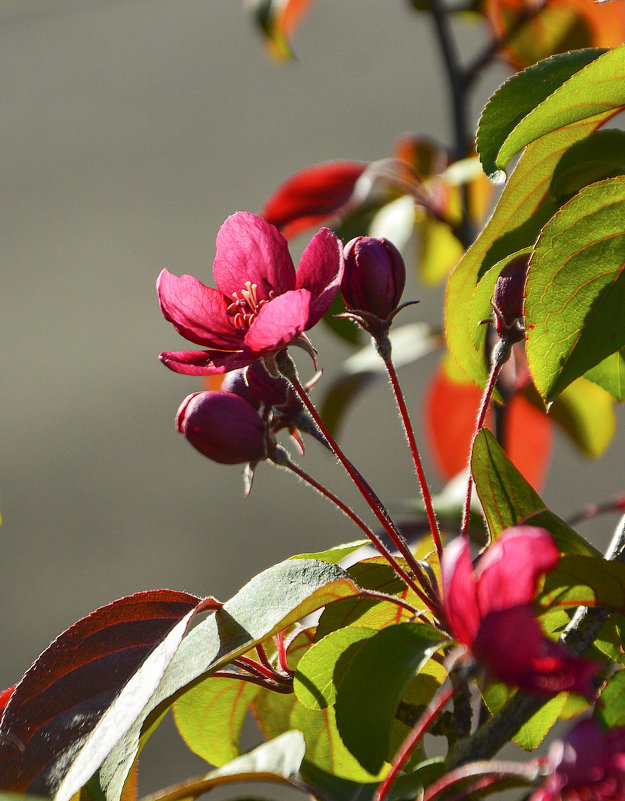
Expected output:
(588, 764)
(489, 609)
(261, 304)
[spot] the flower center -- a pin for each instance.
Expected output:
(245, 308)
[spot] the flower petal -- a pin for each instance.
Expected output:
(507, 572)
(320, 272)
(197, 312)
(512, 646)
(206, 362)
(279, 322)
(251, 249)
(460, 591)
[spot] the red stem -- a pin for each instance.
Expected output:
(287, 368)
(365, 528)
(481, 416)
(418, 730)
(487, 773)
(423, 484)
(281, 649)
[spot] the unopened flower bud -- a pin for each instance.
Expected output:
(374, 276)
(224, 427)
(256, 385)
(508, 299)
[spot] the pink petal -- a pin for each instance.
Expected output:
(196, 311)
(508, 571)
(250, 249)
(312, 195)
(279, 322)
(206, 362)
(320, 272)
(459, 591)
(511, 645)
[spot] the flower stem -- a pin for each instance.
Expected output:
(487, 773)
(479, 423)
(287, 368)
(410, 743)
(414, 450)
(379, 545)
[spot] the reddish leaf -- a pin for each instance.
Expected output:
(4, 698)
(63, 695)
(450, 413)
(528, 437)
(312, 195)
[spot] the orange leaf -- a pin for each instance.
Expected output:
(450, 413)
(559, 26)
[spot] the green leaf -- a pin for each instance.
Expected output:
(610, 374)
(531, 734)
(278, 760)
(438, 249)
(609, 641)
(585, 581)
(524, 207)
(575, 290)
(410, 343)
(387, 662)
(369, 574)
(508, 499)
(601, 155)
(611, 710)
(270, 602)
(273, 710)
(586, 413)
(518, 97)
(324, 746)
(210, 717)
(597, 88)
(318, 677)
(333, 555)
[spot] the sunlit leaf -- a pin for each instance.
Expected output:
(410, 343)
(530, 735)
(439, 249)
(333, 555)
(517, 98)
(611, 709)
(575, 290)
(610, 375)
(318, 677)
(601, 155)
(273, 710)
(507, 498)
(523, 208)
(579, 580)
(586, 413)
(210, 717)
(370, 574)
(387, 661)
(595, 89)
(78, 677)
(325, 747)
(270, 602)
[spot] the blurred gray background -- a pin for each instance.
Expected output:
(130, 130)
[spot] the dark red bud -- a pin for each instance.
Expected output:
(508, 298)
(374, 277)
(256, 385)
(224, 427)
